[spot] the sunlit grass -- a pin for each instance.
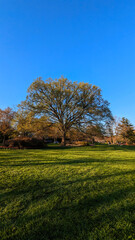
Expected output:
(82, 193)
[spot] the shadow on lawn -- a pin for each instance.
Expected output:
(74, 213)
(100, 147)
(18, 161)
(67, 219)
(96, 147)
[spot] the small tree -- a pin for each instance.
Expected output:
(6, 117)
(26, 124)
(96, 131)
(67, 104)
(126, 131)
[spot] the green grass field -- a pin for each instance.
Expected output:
(82, 193)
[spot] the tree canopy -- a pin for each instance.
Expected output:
(6, 117)
(126, 131)
(69, 104)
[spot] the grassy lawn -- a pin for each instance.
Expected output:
(82, 193)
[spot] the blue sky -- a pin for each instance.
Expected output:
(84, 40)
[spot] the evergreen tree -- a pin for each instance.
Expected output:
(126, 131)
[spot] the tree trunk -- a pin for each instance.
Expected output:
(111, 139)
(93, 140)
(63, 143)
(4, 139)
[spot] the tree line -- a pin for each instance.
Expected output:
(64, 110)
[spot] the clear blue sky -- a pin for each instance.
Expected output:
(84, 40)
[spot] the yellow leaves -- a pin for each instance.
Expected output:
(66, 103)
(6, 117)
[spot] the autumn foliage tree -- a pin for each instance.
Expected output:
(6, 117)
(27, 125)
(126, 131)
(67, 103)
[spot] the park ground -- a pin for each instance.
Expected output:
(73, 193)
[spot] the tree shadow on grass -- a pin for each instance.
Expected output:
(69, 219)
(96, 147)
(88, 161)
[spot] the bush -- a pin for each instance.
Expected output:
(22, 143)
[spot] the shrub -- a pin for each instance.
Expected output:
(22, 143)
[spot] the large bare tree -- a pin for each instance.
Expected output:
(67, 103)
